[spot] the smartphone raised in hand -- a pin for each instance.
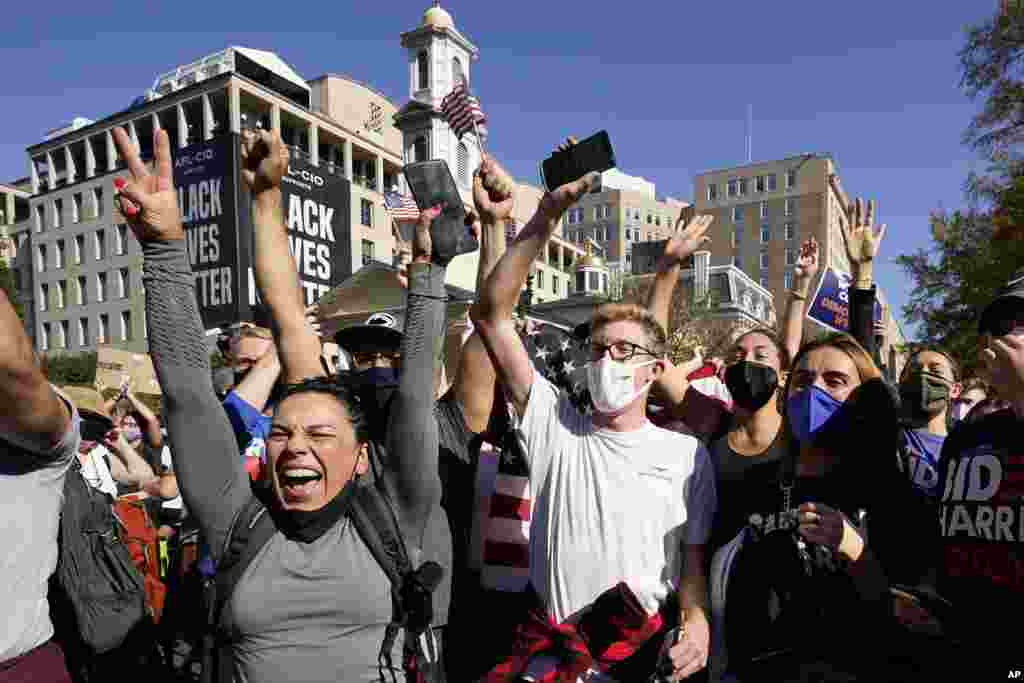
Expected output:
(595, 154)
(432, 184)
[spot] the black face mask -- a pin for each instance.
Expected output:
(307, 526)
(375, 388)
(751, 385)
(923, 394)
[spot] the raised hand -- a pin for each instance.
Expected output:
(807, 265)
(313, 318)
(403, 249)
(148, 200)
(686, 241)
(862, 240)
(493, 193)
(264, 160)
(422, 245)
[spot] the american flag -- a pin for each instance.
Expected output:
(462, 111)
(401, 207)
(561, 359)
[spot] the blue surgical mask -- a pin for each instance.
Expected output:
(811, 413)
(378, 377)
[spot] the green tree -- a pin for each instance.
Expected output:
(7, 284)
(71, 368)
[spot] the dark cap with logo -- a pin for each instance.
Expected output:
(382, 332)
(1006, 308)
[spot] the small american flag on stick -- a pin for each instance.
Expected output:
(401, 207)
(464, 114)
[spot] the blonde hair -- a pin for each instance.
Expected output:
(254, 332)
(613, 313)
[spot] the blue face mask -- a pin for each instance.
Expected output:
(378, 377)
(812, 413)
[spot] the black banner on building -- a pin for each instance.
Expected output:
(318, 218)
(206, 180)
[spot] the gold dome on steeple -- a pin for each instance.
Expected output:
(438, 17)
(590, 259)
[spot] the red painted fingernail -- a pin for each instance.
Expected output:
(119, 183)
(131, 210)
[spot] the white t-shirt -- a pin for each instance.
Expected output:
(97, 472)
(165, 460)
(609, 506)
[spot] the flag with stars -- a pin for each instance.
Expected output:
(561, 359)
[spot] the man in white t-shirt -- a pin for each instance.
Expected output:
(616, 498)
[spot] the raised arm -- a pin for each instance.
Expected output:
(796, 302)
(147, 420)
(679, 248)
(264, 162)
(213, 482)
(863, 240)
(492, 312)
(127, 466)
(33, 414)
(474, 381)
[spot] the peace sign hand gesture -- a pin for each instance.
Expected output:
(148, 200)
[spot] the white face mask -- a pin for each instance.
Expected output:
(611, 384)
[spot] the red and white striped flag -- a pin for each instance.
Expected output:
(462, 111)
(401, 207)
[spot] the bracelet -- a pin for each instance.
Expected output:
(798, 295)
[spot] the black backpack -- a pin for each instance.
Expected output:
(97, 596)
(411, 590)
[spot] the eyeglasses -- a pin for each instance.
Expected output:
(371, 357)
(619, 351)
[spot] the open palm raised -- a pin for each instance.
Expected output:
(686, 241)
(862, 239)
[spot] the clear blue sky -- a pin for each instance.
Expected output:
(874, 83)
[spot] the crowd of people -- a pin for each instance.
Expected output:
(809, 520)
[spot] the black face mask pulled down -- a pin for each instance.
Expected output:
(307, 526)
(751, 385)
(923, 395)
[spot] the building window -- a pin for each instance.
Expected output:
(422, 71)
(540, 279)
(737, 214)
(657, 221)
(83, 331)
(743, 186)
(367, 252)
(62, 290)
(101, 244)
(737, 234)
(79, 247)
(764, 260)
(790, 179)
(65, 333)
(732, 187)
(120, 235)
(44, 296)
(126, 325)
(58, 209)
(40, 217)
(770, 182)
(766, 234)
(97, 202)
(44, 337)
(101, 287)
(712, 192)
(759, 184)
(366, 212)
(59, 253)
(790, 257)
(76, 207)
(737, 261)
(790, 207)
(83, 297)
(764, 209)
(554, 284)
(790, 231)
(104, 332)
(650, 219)
(788, 280)
(597, 213)
(123, 283)
(764, 281)
(41, 258)
(462, 164)
(458, 75)
(419, 149)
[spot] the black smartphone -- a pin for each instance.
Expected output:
(432, 184)
(593, 154)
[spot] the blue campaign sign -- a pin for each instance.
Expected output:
(831, 304)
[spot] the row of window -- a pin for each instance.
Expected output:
(79, 211)
(740, 187)
(604, 212)
(738, 213)
(557, 283)
(789, 233)
(57, 334)
(80, 249)
(121, 277)
(605, 235)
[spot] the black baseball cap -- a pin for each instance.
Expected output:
(381, 333)
(1006, 309)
